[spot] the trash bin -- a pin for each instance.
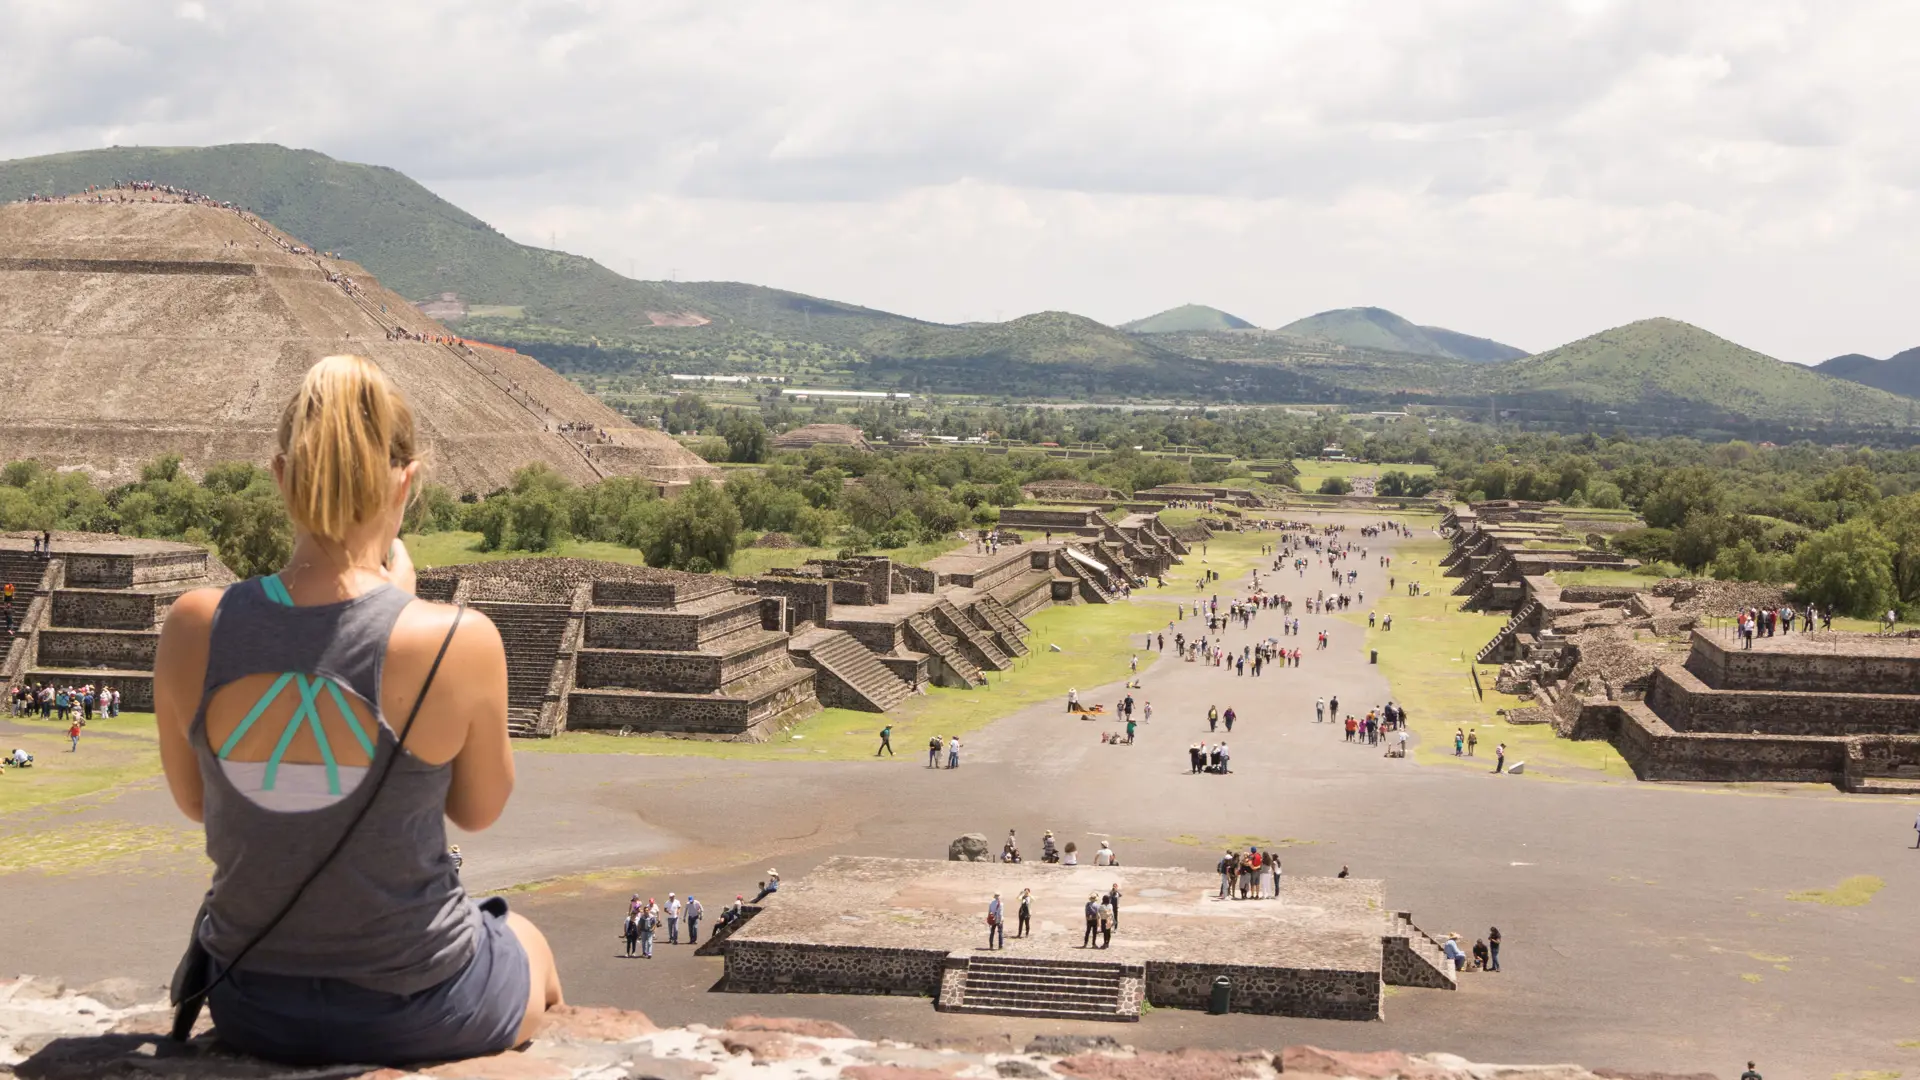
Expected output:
(1222, 998)
(1373, 656)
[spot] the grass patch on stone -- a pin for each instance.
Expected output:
(1855, 891)
(1096, 641)
(1427, 659)
(113, 753)
(1750, 977)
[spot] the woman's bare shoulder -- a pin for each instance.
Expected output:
(193, 610)
(424, 624)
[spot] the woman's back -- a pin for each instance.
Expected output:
(290, 732)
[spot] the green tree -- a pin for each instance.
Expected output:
(1848, 568)
(699, 528)
(1393, 483)
(746, 437)
(1335, 485)
(1899, 521)
(1680, 494)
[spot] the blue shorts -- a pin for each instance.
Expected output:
(322, 1021)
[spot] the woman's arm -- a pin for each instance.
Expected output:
(179, 669)
(472, 685)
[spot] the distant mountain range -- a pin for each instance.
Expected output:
(1383, 331)
(1899, 373)
(578, 316)
(1187, 319)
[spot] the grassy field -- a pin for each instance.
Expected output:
(447, 548)
(1316, 471)
(1427, 658)
(1095, 642)
(112, 753)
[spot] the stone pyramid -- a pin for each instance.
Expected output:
(134, 323)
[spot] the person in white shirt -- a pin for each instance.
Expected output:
(1103, 857)
(673, 920)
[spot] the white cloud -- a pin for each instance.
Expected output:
(1528, 169)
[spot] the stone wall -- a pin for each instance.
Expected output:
(1656, 752)
(880, 638)
(675, 672)
(131, 650)
(624, 628)
(914, 670)
(1689, 705)
(1057, 520)
(914, 579)
(808, 599)
(107, 609)
(1731, 668)
(771, 967)
(1400, 965)
(1597, 594)
(846, 591)
(733, 719)
(1306, 993)
(124, 571)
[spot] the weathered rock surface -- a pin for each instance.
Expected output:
(969, 848)
(48, 1032)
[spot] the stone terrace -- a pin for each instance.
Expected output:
(910, 927)
(91, 614)
(1829, 708)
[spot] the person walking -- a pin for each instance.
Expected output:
(886, 741)
(1228, 718)
(673, 919)
(1493, 948)
(632, 930)
(1213, 718)
(1113, 901)
(1093, 921)
(1106, 924)
(1130, 729)
(1459, 742)
(996, 928)
(694, 911)
(1025, 925)
(648, 922)
(73, 735)
(1500, 758)
(933, 752)
(1473, 740)
(1751, 1073)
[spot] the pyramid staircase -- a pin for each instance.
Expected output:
(837, 655)
(532, 635)
(975, 642)
(1496, 649)
(1045, 989)
(1431, 967)
(928, 638)
(1007, 629)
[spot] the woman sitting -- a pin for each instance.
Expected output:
(277, 701)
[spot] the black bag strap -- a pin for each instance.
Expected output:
(189, 1006)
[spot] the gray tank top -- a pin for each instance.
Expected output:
(389, 913)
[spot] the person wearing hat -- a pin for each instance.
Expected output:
(1050, 852)
(1093, 921)
(771, 886)
(996, 924)
(694, 911)
(1451, 947)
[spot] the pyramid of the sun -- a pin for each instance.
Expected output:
(146, 325)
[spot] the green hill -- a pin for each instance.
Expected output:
(1187, 319)
(421, 245)
(1672, 369)
(1897, 374)
(1383, 331)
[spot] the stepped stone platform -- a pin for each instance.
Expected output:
(1828, 707)
(91, 614)
(1326, 948)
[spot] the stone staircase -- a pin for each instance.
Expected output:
(1496, 648)
(1428, 967)
(1049, 989)
(864, 682)
(22, 570)
(975, 642)
(1007, 629)
(532, 634)
(1090, 586)
(928, 638)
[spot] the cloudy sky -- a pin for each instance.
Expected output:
(1529, 170)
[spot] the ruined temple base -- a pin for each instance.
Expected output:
(1325, 948)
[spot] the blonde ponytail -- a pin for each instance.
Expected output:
(341, 436)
